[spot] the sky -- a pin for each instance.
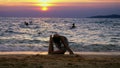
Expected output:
(58, 8)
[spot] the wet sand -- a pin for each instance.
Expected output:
(43, 60)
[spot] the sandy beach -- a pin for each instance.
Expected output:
(43, 60)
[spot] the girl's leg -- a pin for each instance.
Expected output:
(51, 49)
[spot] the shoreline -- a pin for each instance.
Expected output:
(46, 53)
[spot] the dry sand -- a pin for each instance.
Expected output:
(43, 60)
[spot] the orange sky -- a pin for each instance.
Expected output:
(60, 0)
(33, 2)
(57, 8)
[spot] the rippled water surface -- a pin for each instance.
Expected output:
(90, 34)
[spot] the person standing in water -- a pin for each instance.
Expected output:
(61, 43)
(73, 26)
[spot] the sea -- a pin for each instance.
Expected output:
(89, 34)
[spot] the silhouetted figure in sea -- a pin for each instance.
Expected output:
(26, 23)
(61, 43)
(73, 26)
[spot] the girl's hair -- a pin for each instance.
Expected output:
(56, 39)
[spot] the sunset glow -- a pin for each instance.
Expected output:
(44, 5)
(44, 9)
(44, 1)
(58, 8)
